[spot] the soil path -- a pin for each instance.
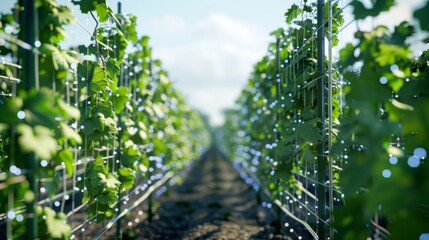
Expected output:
(213, 202)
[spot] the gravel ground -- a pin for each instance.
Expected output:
(213, 202)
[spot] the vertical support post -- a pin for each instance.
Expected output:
(151, 163)
(28, 19)
(278, 81)
(321, 159)
(118, 151)
(150, 208)
(330, 159)
(278, 86)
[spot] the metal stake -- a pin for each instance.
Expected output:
(28, 19)
(330, 159)
(321, 159)
(118, 150)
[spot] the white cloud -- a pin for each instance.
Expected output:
(218, 26)
(212, 62)
(170, 24)
(397, 14)
(204, 99)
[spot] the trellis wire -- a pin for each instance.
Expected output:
(30, 66)
(314, 206)
(68, 193)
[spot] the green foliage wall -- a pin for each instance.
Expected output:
(379, 114)
(106, 113)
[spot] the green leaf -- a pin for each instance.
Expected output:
(164, 80)
(157, 108)
(292, 13)
(108, 197)
(67, 110)
(126, 177)
(130, 157)
(85, 5)
(70, 134)
(112, 68)
(39, 140)
(391, 54)
(120, 99)
(66, 156)
(144, 41)
(282, 171)
(422, 16)
(337, 21)
(308, 131)
(65, 15)
(308, 156)
(401, 33)
(60, 58)
(100, 81)
(395, 151)
(102, 10)
(9, 110)
(349, 221)
(366, 88)
(93, 124)
(347, 57)
(41, 110)
(416, 125)
(378, 6)
(111, 181)
(54, 223)
(401, 106)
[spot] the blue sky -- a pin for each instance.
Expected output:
(210, 46)
(207, 46)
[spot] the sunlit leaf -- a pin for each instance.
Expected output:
(39, 140)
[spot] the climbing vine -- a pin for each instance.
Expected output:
(106, 115)
(277, 117)
(379, 123)
(383, 132)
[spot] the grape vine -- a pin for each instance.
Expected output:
(379, 116)
(106, 115)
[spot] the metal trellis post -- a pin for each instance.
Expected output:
(278, 87)
(321, 159)
(29, 74)
(330, 159)
(118, 150)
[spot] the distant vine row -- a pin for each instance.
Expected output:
(99, 108)
(379, 122)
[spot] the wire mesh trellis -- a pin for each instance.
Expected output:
(147, 145)
(305, 87)
(291, 136)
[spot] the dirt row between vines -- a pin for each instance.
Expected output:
(213, 202)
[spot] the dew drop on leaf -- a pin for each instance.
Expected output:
(44, 163)
(420, 153)
(11, 214)
(393, 160)
(424, 236)
(20, 218)
(386, 173)
(21, 114)
(394, 68)
(413, 161)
